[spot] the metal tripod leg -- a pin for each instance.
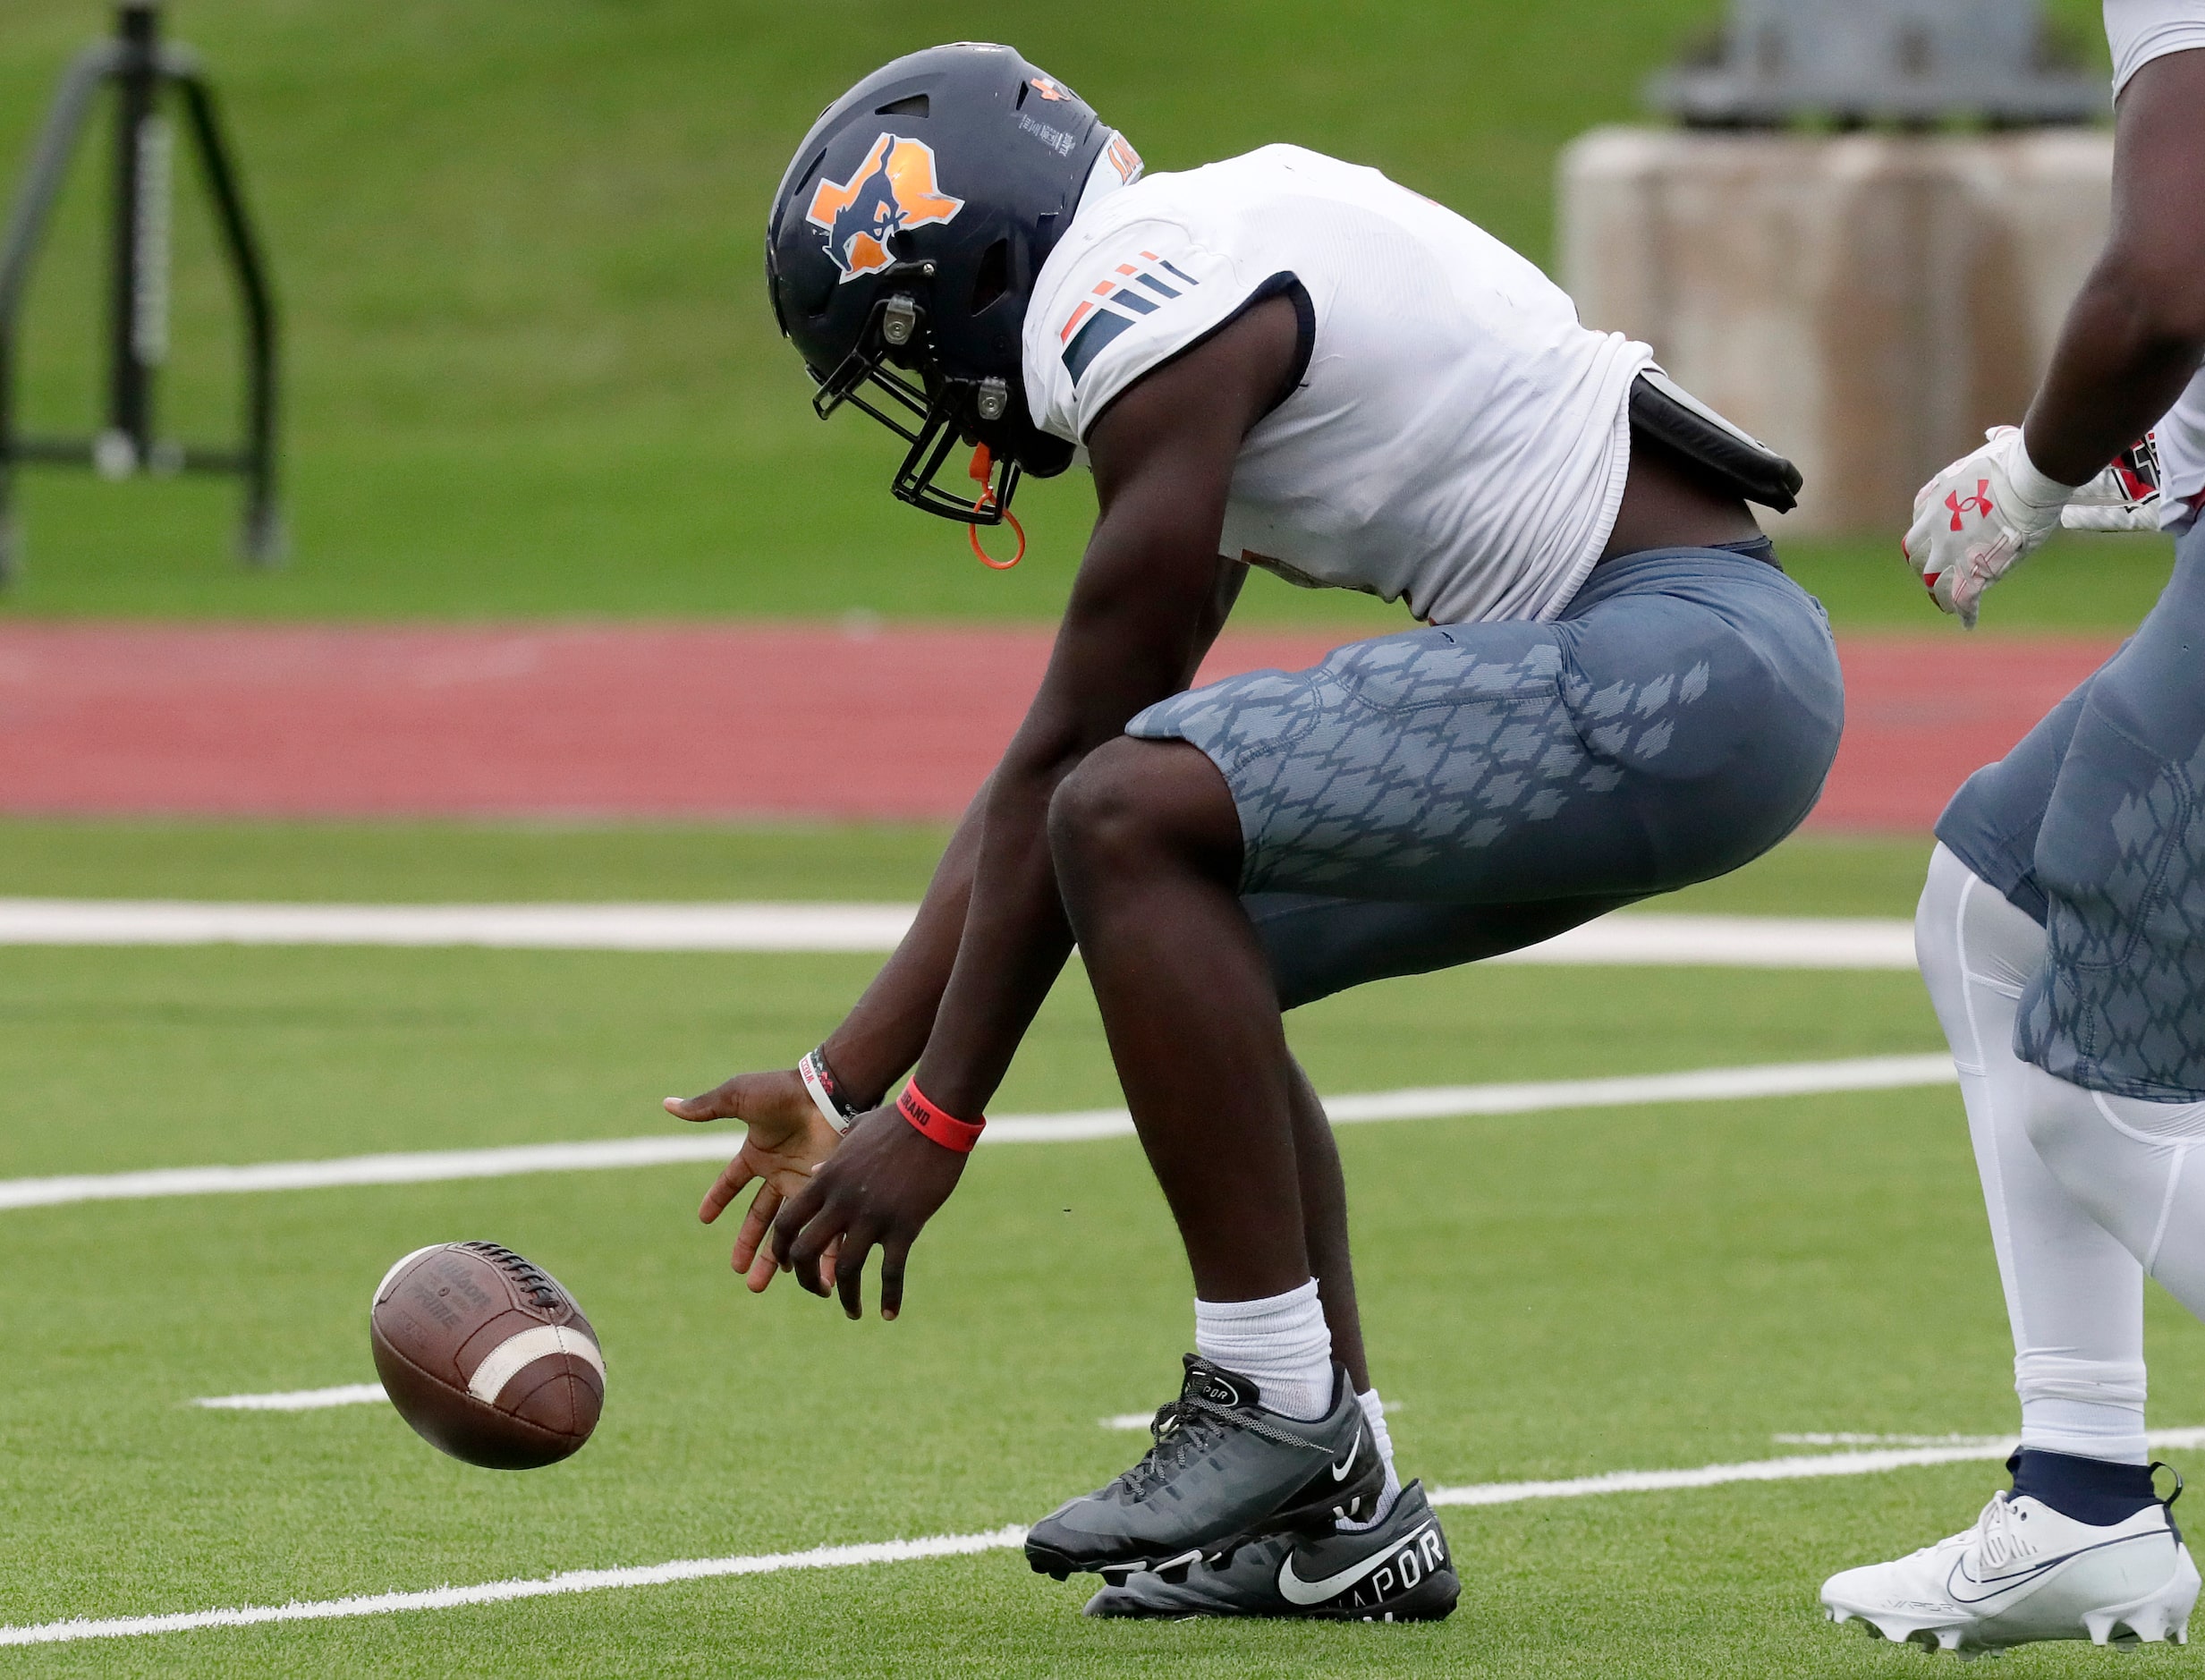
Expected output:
(49, 166)
(261, 540)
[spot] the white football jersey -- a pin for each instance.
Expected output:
(2138, 32)
(1456, 440)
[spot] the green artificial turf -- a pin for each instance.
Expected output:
(529, 366)
(1550, 1296)
(1810, 874)
(1547, 1295)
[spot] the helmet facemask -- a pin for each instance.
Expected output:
(894, 375)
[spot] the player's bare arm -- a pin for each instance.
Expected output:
(1141, 613)
(2135, 334)
(789, 1131)
(877, 1043)
(2131, 344)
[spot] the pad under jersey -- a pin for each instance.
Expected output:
(2138, 32)
(1456, 440)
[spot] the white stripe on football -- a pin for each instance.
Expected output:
(515, 1353)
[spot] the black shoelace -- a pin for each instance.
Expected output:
(1179, 1433)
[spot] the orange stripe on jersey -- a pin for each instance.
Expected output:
(1078, 315)
(1127, 267)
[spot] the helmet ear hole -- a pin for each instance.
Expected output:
(992, 279)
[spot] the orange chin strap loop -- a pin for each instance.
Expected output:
(983, 468)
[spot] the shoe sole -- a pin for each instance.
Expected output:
(1059, 1566)
(1421, 1605)
(2149, 1620)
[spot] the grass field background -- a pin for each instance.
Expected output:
(531, 367)
(1554, 1294)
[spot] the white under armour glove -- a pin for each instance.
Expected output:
(1980, 518)
(2125, 497)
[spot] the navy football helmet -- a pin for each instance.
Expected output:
(902, 252)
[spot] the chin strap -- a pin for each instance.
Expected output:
(983, 469)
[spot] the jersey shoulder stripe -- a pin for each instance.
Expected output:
(1113, 304)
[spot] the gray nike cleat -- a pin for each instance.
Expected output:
(1398, 1570)
(1222, 1472)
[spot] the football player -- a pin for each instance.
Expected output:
(2061, 931)
(1611, 690)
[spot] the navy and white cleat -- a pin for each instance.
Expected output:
(1397, 1571)
(1222, 1470)
(2025, 1572)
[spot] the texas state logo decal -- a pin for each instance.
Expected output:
(893, 188)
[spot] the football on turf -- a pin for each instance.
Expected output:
(486, 1356)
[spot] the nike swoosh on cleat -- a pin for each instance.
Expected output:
(1297, 1591)
(1996, 1585)
(1340, 1470)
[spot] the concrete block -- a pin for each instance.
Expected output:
(1866, 302)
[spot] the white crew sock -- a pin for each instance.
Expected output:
(2074, 1293)
(1281, 1341)
(1381, 1437)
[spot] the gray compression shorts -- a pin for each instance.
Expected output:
(1448, 793)
(2095, 825)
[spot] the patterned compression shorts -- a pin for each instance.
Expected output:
(2095, 825)
(1448, 793)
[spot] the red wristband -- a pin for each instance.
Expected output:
(934, 1124)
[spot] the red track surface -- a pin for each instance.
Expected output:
(716, 722)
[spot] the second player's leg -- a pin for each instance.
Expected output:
(2073, 1295)
(2082, 1498)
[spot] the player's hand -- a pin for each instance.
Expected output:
(788, 1138)
(1979, 519)
(2125, 497)
(881, 1188)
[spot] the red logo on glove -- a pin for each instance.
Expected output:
(1978, 503)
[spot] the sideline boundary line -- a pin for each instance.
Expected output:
(575, 1581)
(1710, 1084)
(1633, 940)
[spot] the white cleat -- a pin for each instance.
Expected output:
(2025, 1572)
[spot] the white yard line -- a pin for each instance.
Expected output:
(535, 927)
(506, 1591)
(1803, 1467)
(1848, 1438)
(1629, 939)
(350, 1393)
(1712, 1084)
(964, 1545)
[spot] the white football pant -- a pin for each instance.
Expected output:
(2069, 1191)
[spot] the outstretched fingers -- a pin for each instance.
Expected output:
(803, 1232)
(736, 1174)
(756, 1222)
(893, 1253)
(722, 1102)
(849, 1268)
